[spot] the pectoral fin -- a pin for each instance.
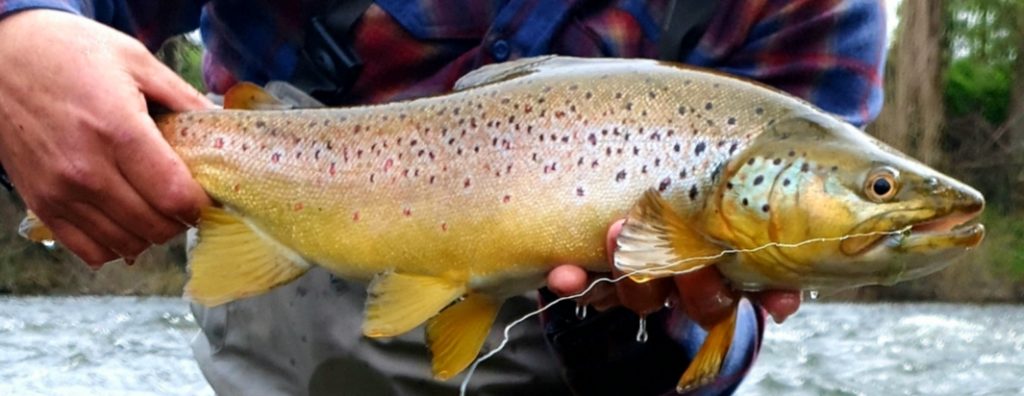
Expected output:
(456, 335)
(232, 260)
(656, 242)
(398, 302)
(708, 361)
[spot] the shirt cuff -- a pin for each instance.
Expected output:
(8, 8)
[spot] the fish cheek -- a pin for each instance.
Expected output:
(810, 216)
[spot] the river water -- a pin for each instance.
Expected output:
(139, 346)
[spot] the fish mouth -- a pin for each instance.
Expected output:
(956, 229)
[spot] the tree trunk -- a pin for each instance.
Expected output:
(912, 117)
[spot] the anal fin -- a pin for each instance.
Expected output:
(456, 335)
(399, 302)
(232, 261)
(708, 361)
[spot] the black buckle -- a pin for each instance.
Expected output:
(331, 68)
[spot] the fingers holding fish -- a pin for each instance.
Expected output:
(779, 304)
(81, 157)
(168, 205)
(85, 247)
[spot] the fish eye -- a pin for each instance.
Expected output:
(882, 184)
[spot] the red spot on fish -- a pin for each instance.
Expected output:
(184, 132)
(355, 216)
(275, 158)
(579, 191)
(332, 170)
(559, 114)
(407, 212)
(444, 227)
(218, 143)
(245, 146)
(506, 199)
(388, 164)
(466, 183)
(298, 206)
(236, 187)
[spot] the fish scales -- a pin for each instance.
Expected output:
(452, 184)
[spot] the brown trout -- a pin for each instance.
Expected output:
(451, 204)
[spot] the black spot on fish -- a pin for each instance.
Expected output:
(579, 191)
(835, 168)
(682, 174)
(676, 147)
(681, 110)
(664, 184)
(765, 208)
(708, 106)
(693, 192)
(620, 176)
(732, 148)
(728, 185)
(785, 182)
(745, 202)
(792, 153)
(700, 148)
(731, 121)
(777, 161)
(643, 169)
(758, 180)
(759, 110)
(260, 124)
(805, 167)
(592, 139)
(750, 161)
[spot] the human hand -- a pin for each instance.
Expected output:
(702, 294)
(78, 143)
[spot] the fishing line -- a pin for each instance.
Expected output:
(655, 270)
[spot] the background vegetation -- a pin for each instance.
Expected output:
(954, 98)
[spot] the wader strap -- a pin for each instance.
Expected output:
(4, 180)
(687, 21)
(327, 66)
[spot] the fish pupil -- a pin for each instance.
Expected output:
(881, 187)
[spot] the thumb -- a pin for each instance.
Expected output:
(160, 83)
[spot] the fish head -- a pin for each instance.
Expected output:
(815, 203)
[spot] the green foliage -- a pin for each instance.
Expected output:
(976, 87)
(1003, 249)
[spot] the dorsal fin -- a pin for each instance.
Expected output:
(506, 71)
(249, 96)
